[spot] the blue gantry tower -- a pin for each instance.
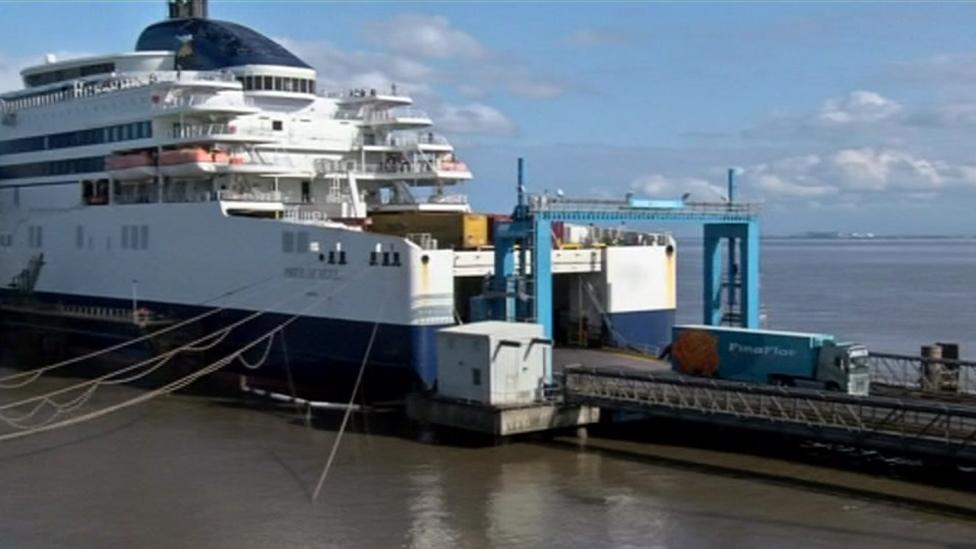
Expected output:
(526, 295)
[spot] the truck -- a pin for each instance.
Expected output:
(768, 356)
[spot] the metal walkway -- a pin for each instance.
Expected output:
(913, 425)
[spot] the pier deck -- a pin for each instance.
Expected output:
(915, 425)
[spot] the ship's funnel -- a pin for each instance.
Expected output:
(179, 9)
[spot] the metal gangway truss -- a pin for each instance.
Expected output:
(934, 428)
(942, 378)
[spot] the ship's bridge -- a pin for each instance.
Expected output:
(260, 63)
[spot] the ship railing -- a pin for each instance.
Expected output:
(406, 140)
(227, 195)
(426, 241)
(176, 102)
(393, 115)
(360, 93)
(558, 203)
(422, 167)
(448, 199)
(191, 131)
(94, 86)
(187, 196)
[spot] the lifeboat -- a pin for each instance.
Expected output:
(452, 166)
(192, 162)
(130, 166)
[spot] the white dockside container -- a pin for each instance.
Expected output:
(492, 362)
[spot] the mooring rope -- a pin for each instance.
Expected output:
(264, 356)
(349, 405)
(49, 424)
(30, 376)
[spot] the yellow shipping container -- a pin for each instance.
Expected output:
(452, 230)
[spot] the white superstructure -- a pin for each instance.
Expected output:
(206, 169)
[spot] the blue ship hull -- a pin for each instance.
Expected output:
(320, 355)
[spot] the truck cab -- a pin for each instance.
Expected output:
(843, 366)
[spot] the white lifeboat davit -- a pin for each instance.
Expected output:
(130, 166)
(192, 162)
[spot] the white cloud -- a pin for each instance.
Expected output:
(859, 106)
(424, 36)
(657, 185)
(871, 169)
(941, 70)
(339, 69)
(950, 115)
(9, 74)
(791, 177)
(841, 176)
(473, 118)
(474, 69)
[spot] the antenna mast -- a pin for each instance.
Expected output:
(180, 9)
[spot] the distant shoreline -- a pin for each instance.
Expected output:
(871, 237)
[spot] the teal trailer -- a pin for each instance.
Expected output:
(768, 356)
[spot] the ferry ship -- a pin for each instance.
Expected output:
(207, 169)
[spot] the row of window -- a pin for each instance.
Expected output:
(135, 237)
(90, 164)
(294, 242)
(80, 138)
(277, 83)
(35, 236)
(70, 73)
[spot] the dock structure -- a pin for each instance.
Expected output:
(525, 293)
(941, 429)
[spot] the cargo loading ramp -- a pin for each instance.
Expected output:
(909, 425)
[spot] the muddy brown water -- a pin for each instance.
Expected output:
(193, 471)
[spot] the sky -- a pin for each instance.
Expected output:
(836, 116)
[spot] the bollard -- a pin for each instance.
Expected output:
(950, 372)
(931, 368)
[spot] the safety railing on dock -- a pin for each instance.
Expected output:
(934, 428)
(930, 375)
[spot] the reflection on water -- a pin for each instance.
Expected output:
(430, 525)
(182, 472)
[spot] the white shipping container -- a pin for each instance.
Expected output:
(492, 362)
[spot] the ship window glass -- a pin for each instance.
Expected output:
(288, 242)
(303, 86)
(144, 237)
(79, 237)
(248, 82)
(63, 140)
(311, 86)
(277, 83)
(57, 167)
(72, 73)
(277, 125)
(301, 245)
(125, 237)
(475, 376)
(286, 84)
(268, 83)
